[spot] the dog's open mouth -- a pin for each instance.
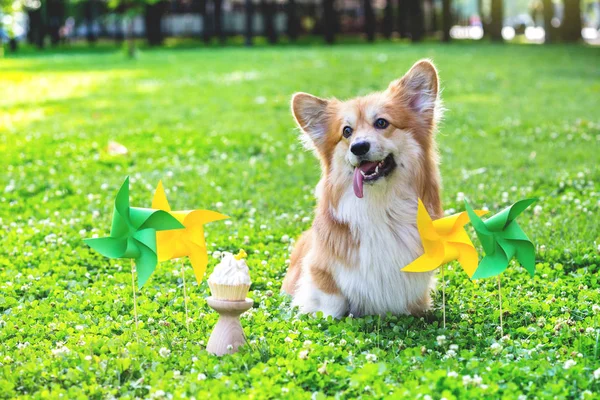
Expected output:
(370, 171)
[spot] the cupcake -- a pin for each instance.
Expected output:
(231, 279)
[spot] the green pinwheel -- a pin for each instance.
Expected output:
(502, 239)
(133, 234)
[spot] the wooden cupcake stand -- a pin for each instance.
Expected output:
(227, 335)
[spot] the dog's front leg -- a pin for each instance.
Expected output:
(312, 297)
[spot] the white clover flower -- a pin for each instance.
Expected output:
(477, 380)
(371, 357)
(201, 377)
(569, 364)
(307, 343)
(597, 374)
(596, 308)
(450, 353)
(452, 374)
(537, 210)
(460, 196)
(88, 358)
(441, 340)
(60, 349)
(427, 397)
(454, 347)
(164, 352)
(229, 347)
(343, 342)
(288, 339)
(285, 238)
(466, 379)
(303, 355)
(496, 347)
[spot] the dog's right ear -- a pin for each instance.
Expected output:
(311, 115)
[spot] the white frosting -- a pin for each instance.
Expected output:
(231, 272)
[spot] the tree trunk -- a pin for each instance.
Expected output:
(548, 15)
(130, 39)
(219, 21)
(369, 20)
(482, 19)
(497, 20)
(402, 18)
(249, 5)
(153, 15)
(388, 19)
(571, 23)
(90, 17)
(415, 9)
(206, 22)
(446, 20)
(268, 12)
(328, 21)
(35, 34)
(13, 45)
(292, 20)
(432, 17)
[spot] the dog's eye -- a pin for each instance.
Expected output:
(347, 131)
(381, 123)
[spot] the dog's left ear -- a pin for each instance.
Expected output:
(418, 90)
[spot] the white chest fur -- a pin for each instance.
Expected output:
(389, 239)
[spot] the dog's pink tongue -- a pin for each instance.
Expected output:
(359, 178)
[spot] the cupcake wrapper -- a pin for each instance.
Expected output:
(228, 292)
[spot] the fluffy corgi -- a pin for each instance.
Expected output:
(378, 156)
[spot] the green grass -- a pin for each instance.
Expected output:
(215, 125)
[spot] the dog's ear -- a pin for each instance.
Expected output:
(418, 90)
(311, 115)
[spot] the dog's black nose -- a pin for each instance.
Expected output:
(360, 148)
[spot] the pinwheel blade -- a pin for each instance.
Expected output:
(160, 201)
(148, 218)
(199, 260)
(108, 246)
(492, 264)
(147, 259)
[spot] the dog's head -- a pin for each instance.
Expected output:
(380, 140)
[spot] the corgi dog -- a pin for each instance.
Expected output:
(378, 156)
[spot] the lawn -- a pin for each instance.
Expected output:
(215, 125)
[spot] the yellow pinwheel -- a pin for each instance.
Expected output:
(444, 240)
(188, 241)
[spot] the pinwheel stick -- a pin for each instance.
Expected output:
(443, 297)
(134, 298)
(500, 302)
(185, 299)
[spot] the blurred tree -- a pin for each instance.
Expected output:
(416, 26)
(8, 9)
(369, 20)
(55, 19)
(432, 16)
(249, 8)
(446, 20)
(548, 13)
(570, 27)
(292, 20)
(328, 21)
(496, 20)
(268, 12)
(36, 31)
(130, 9)
(153, 14)
(218, 17)
(90, 10)
(388, 19)
(403, 18)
